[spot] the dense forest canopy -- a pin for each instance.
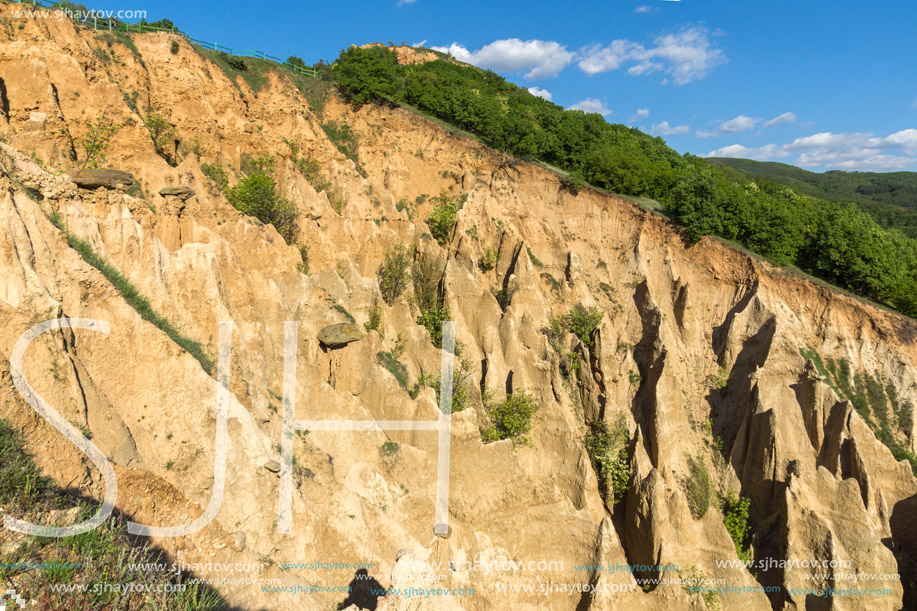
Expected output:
(889, 197)
(834, 240)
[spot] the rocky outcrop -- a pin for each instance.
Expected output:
(182, 193)
(107, 179)
(339, 335)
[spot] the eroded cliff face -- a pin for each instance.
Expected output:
(700, 349)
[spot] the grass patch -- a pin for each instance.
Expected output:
(535, 260)
(315, 91)
(101, 557)
(390, 362)
(877, 403)
(698, 486)
(339, 308)
(693, 581)
(343, 137)
(132, 296)
(555, 285)
(113, 37)
(254, 71)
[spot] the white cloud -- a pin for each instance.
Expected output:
(641, 113)
(846, 151)
(737, 125)
(685, 56)
(538, 58)
(914, 105)
(737, 150)
(643, 8)
(596, 59)
(787, 117)
(403, 2)
(541, 93)
(664, 129)
(592, 105)
(420, 44)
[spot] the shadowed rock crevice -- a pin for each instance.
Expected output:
(649, 356)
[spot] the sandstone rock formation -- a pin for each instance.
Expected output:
(341, 334)
(707, 354)
(108, 179)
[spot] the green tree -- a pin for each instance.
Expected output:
(162, 134)
(442, 219)
(394, 273)
(366, 75)
(256, 195)
(95, 142)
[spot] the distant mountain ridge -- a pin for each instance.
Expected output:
(889, 197)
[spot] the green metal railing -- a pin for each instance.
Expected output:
(111, 24)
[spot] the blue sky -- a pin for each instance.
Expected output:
(820, 84)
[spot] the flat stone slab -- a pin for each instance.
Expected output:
(182, 193)
(108, 179)
(341, 334)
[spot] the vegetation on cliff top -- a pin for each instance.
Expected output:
(834, 241)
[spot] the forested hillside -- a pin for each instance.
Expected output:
(890, 197)
(833, 240)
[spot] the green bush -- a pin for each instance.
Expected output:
(735, 518)
(174, 48)
(579, 320)
(511, 419)
(698, 486)
(461, 395)
(719, 379)
(234, 62)
(582, 322)
(374, 323)
(162, 134)
(256, 195)
(394, 273)
(432, 319)
(489, 259)
(442, 219)
(217, 174)
(426, 276)
(607, 449)
(389, 448)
